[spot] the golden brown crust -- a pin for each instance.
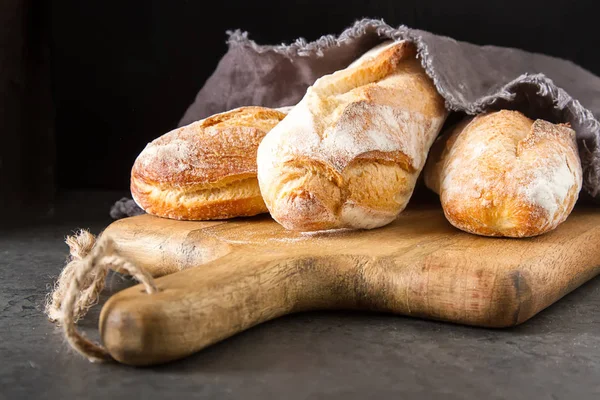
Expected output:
(205, 170)
(348, 155)
(223, 145)
(502, 174)
(200, 206)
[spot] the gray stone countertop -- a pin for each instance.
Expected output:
(316, 355)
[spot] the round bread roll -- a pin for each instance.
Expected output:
(349, 153)
(205, 170)
(502, 174)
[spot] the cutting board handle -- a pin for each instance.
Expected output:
(197, 307)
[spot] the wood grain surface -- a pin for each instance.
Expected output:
(247, 271)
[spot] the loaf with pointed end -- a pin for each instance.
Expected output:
(503, 174)
(205, 170)
(349, 153)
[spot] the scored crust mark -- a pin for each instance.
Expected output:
(205, 170)
(502, 174)
(348, 155)
(544, 130)
(257, 117)
(368, 69)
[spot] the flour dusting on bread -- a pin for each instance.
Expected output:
(550, 186)
(376, 118)
(176, 155)
(205, 170)
(502, 174)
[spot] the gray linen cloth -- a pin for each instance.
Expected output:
(471, 78)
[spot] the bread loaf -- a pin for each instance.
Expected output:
(348, 155)
(502, 174)
(205, 170)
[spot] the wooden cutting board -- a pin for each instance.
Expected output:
(247, 271)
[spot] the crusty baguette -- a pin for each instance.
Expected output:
(348, 155)
(502, 174)
(205, 170)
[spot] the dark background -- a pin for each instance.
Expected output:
(99, 79)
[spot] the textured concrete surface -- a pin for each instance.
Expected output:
(325, 355)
